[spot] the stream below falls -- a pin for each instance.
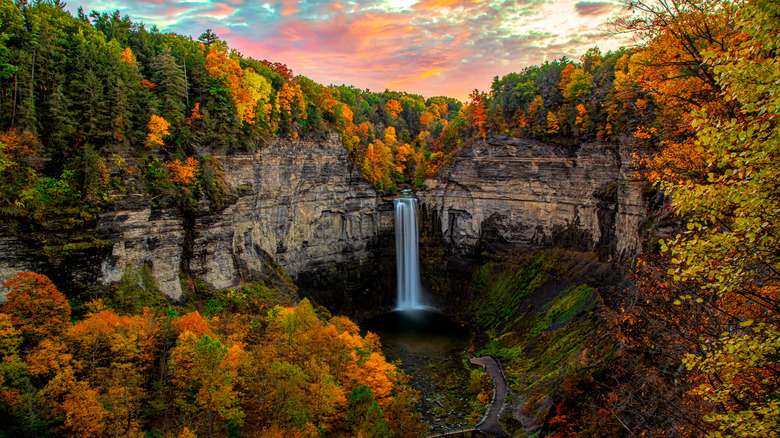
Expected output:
(430, 346)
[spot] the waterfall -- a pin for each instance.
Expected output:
(407, 258)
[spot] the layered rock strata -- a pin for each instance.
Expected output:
(303, 206)
(300, 204)
(509, 194)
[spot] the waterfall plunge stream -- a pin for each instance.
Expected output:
(429, 344)
(407, 257)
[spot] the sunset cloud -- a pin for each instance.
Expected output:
(429, 47)
(594, 8)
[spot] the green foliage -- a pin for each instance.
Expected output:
(135, 290)
(729, 249)
(248, 298)
(503, 288)
(364, 416)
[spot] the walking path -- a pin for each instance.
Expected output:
(490, 423)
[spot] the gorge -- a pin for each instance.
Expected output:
(303, 205)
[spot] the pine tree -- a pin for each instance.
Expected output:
(171, 85)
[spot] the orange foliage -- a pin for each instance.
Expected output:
(582, 116)
(393, 108)
(193, 322)
(291, 98)
(186, 433)
(402, 154)
(195, 114)
(20, 146)
(566, 76)
(36, 307)
(521, 120)
(148, 84)
(128, 57)
(245, 86)
(183, 173)
(478, 112)
(49, 357)
(111, 338)
(76, 403)
(426, 118)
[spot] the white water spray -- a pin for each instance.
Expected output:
(407, 258)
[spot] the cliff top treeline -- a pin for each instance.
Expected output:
(88, 102)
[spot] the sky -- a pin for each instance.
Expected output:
(427, 47)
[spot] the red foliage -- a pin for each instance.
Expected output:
(280, 68)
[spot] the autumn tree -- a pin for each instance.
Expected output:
(158, 128)
(477, 112)
(393, 108)
(36, 307)
(205, 373)
(247, 89)
(729, 247)
(76, 403)
(705, 314)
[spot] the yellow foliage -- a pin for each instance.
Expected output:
(158, 128)
(128, 57)
(81, 412)
(246, 87)
(553, 124)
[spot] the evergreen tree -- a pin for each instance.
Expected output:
(171, 85)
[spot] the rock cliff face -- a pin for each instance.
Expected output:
(509, 194)
(300, 204)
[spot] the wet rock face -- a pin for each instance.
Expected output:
(302, 204)
(509, 195)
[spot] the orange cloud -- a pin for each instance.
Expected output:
(438, 4)
(290, 7)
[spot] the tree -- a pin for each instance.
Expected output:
(705, 316)
(208, 38)
(393, 108)
(36, 307)
(171, 85)
(364, 416)
(76, 403)
(477, 112)
(207, 366)
(158, 128)
(730, 246)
